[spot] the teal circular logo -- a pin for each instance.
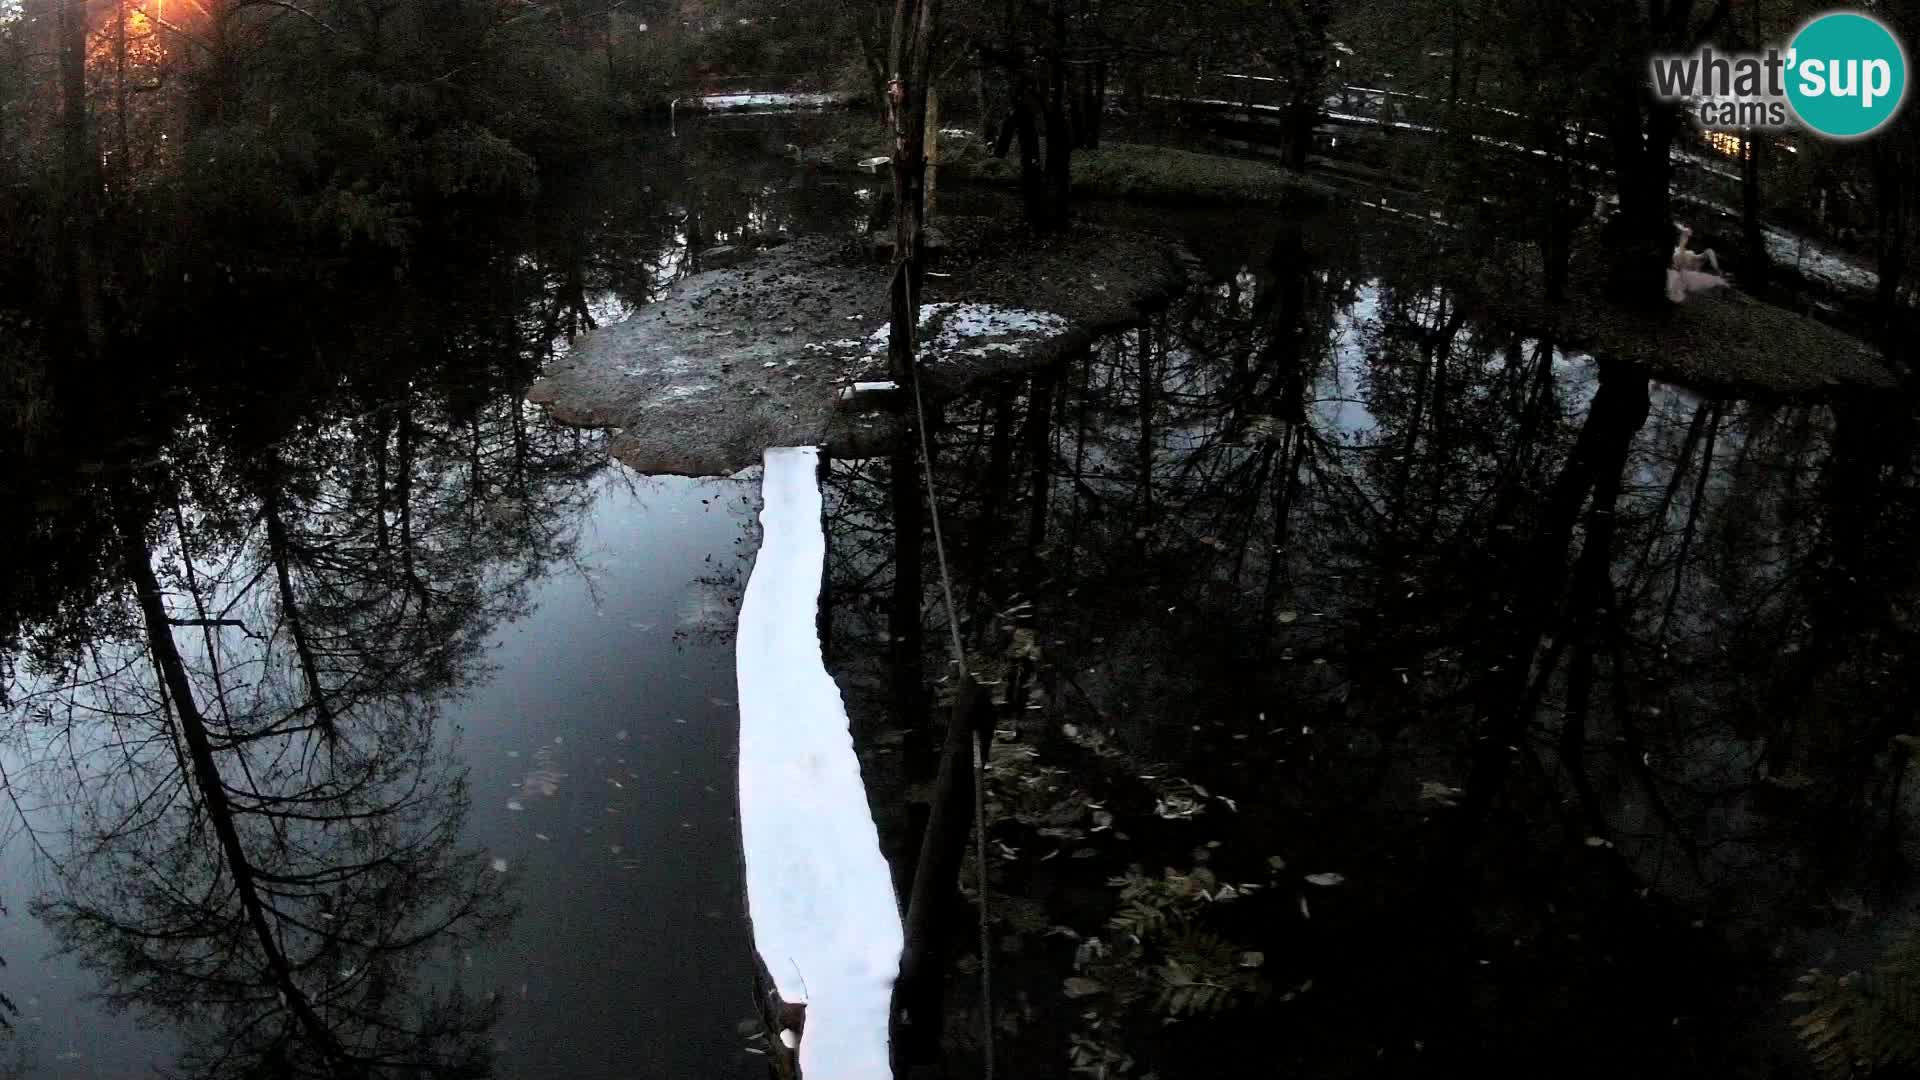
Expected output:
(1846, 74)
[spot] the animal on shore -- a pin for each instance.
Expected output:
(1684, 259)
(1684, 276)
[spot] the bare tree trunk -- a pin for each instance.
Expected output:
(1752, 233)
(1892, 162)
(80, 178)
(1148, 399)
(876, 68)
(1641, 131)
(1309, 66)
(907, 99)
(913, 22)
(1096, 106)
(932, 152)
(123, 156)
(1642, 245)
(1059, 135)
(1033, 181)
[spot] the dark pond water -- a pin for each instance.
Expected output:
(1379, 692)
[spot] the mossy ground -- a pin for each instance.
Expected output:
(1721, 342)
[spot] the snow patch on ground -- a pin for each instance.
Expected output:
(825, 920)
(1816, 262)
(951, 329)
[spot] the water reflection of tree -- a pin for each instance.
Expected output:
(263, 828)
(1588, 686)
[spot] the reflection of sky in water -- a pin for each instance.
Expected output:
(58, 1034)
(629, 944)
(1338, 396)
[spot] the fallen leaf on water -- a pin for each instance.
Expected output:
(515, 804)
(541, 836)
(1288, 616)
(1251, 959)
(1326, 879)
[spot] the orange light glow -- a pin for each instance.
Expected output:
(1724, 141)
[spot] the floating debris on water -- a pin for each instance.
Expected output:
(544, 779)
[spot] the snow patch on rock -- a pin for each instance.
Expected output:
(954, 329)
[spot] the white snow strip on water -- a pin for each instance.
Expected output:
(766, 101)
(825, 920)
(973, 329)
